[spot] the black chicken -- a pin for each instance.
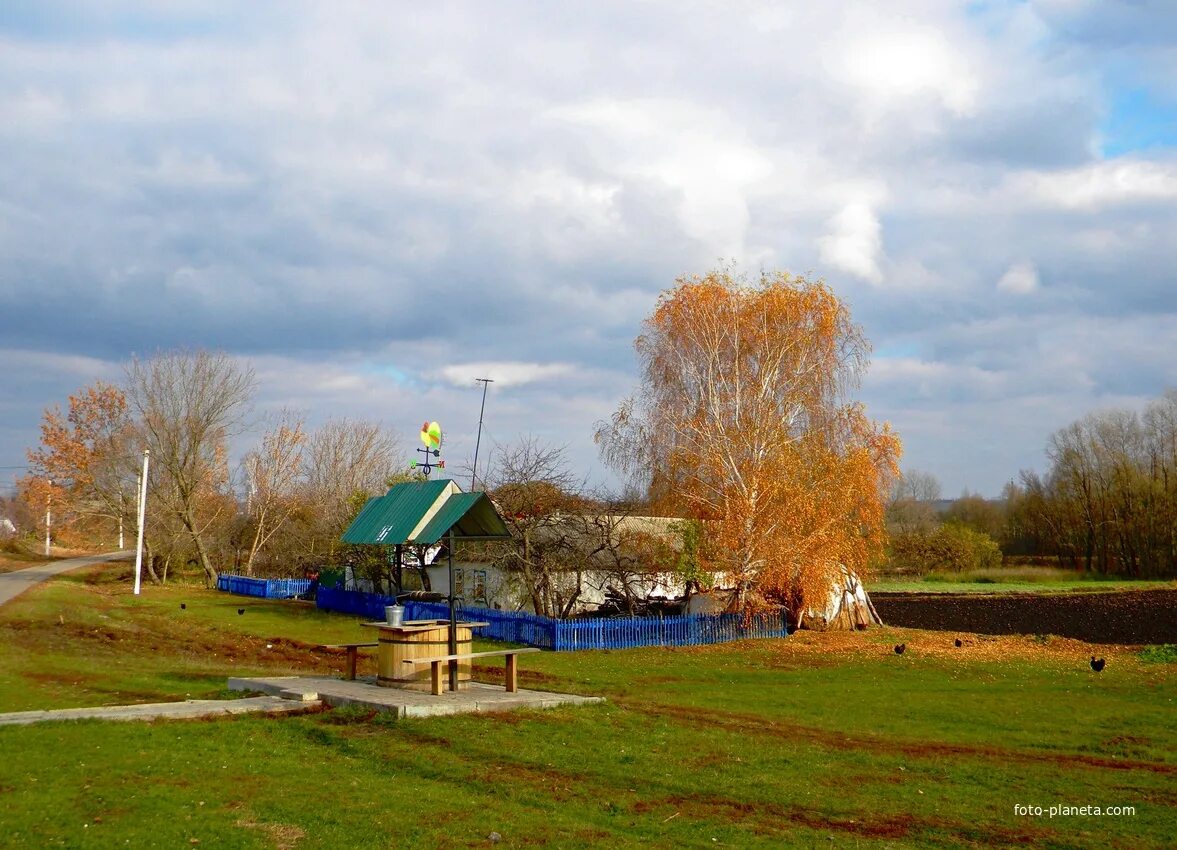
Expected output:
(183, 605)
(240, 611)
(958, 643)
(1097, 664)
(899, 647)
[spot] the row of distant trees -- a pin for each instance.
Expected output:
(285, 503)
(1107, 504)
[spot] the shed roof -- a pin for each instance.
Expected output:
(422, 512)
(392, 517)
(470, 515)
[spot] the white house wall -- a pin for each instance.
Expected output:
(504, 590)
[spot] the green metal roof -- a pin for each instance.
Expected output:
(433, 506)
(469, 515)
(392, 517)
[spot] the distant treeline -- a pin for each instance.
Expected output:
(1107, 505)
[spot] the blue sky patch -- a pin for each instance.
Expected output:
(1138, 120)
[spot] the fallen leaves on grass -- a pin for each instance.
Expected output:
(284, 835)
(879, 643)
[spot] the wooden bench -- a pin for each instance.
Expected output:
(353, 650)
(512, 668)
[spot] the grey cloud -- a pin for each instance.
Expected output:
(1115, 25)
(351, 189)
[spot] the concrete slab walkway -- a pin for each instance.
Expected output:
(291, 694)
(189, 709)
(402, 702)
(15, 583)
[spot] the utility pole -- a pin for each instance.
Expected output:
(478, 440)
(48, 514)
(142, 512)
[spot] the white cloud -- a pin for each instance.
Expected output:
(854, 242)
(504, 373)
(933, 378)
(700, 152)
(1099, 185)
(895, 64)
(1019, 279)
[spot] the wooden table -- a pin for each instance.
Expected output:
(418, 639)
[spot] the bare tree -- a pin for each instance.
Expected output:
(910, 509)
(273, 472)
(633, 561)
(344, 462)
(536, 492)
(190, 404)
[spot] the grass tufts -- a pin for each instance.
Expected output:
(1165, 653)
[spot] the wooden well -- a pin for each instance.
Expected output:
(417, 639)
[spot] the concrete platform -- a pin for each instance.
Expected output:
(188, 709)
(402, 702)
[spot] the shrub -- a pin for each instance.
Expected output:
(950, 548)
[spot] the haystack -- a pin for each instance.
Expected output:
(847, 607)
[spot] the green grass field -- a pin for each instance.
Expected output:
(1013, 579)
(814, 741)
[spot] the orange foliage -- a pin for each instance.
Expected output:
(743, 423)
(79, 464)
(73, 446)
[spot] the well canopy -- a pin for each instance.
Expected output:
(423, 512)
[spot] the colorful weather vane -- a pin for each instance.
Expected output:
(431, 437)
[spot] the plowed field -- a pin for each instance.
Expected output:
(1129, 617)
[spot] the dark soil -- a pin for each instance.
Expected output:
(1130, 617)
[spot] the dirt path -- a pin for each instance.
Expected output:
(187, 710)
(15, 583)
(1128, 617)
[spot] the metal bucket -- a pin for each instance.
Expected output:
(394, 614)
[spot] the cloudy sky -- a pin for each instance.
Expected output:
(375, 203)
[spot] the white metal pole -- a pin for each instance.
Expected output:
(142, 512)
(48, 515)
(120, 522)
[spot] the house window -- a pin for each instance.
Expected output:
(480, 586)
(459, 584)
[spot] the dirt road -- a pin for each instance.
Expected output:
(15, 583)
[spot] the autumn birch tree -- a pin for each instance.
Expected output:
(742, 422)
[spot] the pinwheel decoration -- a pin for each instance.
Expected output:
(431, 437)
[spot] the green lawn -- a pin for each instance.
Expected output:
(1013, 579)
(813, 741)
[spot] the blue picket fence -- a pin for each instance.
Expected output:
(266, 588)
(565, 635)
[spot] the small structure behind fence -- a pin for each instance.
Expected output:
(266, 588)
(549, 633)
